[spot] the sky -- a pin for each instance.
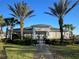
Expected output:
(39, 7)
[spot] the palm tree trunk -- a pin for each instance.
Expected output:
(1, 32)
(11, 32)
(21, 28)
(6, 31)
(61, 29)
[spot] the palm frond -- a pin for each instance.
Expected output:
(12, 9)
(57, 8)
(13, 15)
(53, 11)
(29, 13)
(72, 7)
(20, 10)
(32, 16)
(7, 21)
(17, 9)
(48, 13)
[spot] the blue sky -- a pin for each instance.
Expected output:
(40, 6)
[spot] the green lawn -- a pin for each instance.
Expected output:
(18, 51)
(68, 52)
(27, 52)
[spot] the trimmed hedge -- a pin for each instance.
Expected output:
(57, 41)
(20, 42)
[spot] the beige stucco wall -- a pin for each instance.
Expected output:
(51, 35)
(56, 35)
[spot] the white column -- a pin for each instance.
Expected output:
(47, 33)
(33, 33)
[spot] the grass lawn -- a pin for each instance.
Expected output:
(68, 52)
(18, 51)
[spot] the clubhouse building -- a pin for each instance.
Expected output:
(42, 31)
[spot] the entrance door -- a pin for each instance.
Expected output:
(41, 35)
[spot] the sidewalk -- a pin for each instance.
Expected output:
(43, 52)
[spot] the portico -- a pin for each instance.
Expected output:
(40, 32)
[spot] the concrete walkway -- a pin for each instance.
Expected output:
(43, 52)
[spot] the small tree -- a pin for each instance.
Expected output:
(11, 22)
(2, 24)
(70, 28)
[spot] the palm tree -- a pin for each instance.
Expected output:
(70, 28)
(21, 11)
(7, 23)
(59, 10)
(11, 22)
(66, 27)
(2, 24)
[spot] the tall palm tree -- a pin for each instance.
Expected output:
(70, 28)
(11, 22)
(21, 11)
(59, 10)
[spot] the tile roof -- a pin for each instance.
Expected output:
(41, 25)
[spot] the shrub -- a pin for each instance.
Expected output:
(67, 42)
(47, 41)
(57, 41)
(54, 42)
(26, 41)
(34, 42)
(3, 40)
(7, 40)
(51, 42)
(15, 36)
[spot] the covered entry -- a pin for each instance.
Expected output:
(41, 34)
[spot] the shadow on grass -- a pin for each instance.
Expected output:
(3, 54)
(66, 52)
